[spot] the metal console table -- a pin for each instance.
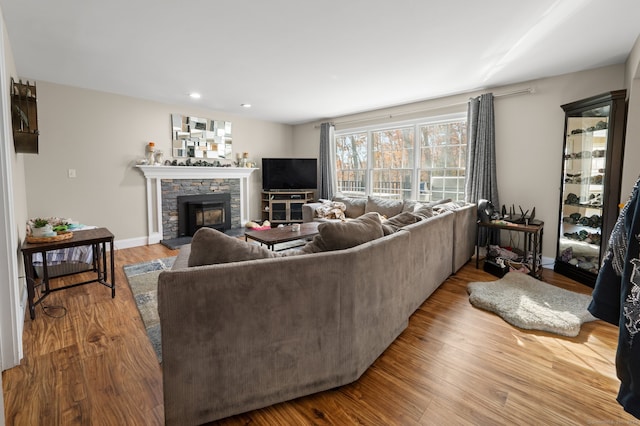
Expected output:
(532, 241)
(97, 238)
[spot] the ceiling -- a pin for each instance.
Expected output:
(297, 61)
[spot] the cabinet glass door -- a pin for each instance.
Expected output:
(279, 211)
(591, 173)
(296, 210)
(584, 168)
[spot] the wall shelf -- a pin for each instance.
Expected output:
(24, 117)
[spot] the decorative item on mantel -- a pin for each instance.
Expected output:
(158, 158)
(151, 148)
(149, 158)
(197, 163)
(242, 160)
(153, 156)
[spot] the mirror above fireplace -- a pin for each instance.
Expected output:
(201, 138)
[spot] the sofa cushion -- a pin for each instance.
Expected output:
(387, 208)
(449, 206)
(354, 207)
(210, 246)
(436, 202)
(391, 225)
(344, 235)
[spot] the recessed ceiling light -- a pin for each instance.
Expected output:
(194, 95)
(245, 105)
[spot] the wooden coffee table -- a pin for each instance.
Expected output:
(273, 236)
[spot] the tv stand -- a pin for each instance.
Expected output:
(279, 207)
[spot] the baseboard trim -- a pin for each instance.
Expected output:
(548, 262)
(131, 242)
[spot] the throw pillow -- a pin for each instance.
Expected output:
(387, 208)
(354, 207)
(424, 211)
(390, 226)
(344, 235)
(209, 246)
(411, 206)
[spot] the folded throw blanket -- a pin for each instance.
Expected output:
(331, 210)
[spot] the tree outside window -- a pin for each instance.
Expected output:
(351, 164)
(393, 162)
(382, 161)
(443, 150)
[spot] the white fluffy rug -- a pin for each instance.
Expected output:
(528, 303)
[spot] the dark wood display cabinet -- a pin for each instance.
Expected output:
(590, 187)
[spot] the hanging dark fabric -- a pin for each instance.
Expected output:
(481, 181)
(616, 299)
(327, 162)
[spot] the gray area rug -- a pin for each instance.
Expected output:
(143, 280)
(528, 303)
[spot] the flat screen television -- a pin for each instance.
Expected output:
(289, 174)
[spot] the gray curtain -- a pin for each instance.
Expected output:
(327, 162)
(481, 182)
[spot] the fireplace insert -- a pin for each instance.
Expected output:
(203, 210)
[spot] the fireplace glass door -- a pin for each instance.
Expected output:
(203, 210)
(209, 214)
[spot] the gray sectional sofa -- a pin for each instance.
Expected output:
(242, 335)
(464, 226)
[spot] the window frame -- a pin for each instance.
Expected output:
(417, 145)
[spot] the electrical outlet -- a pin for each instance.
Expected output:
(71, 173)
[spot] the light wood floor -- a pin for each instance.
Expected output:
(454, 364)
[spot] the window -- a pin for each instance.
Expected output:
(443, 150)
(393, 162)
(422, 160)
(351, 163)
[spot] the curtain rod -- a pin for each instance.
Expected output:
(528, 90)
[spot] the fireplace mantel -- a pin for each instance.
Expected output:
(155, 174)
(195, 172)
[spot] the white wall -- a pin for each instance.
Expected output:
(529, 136)
(631, 169)
(12, 193)
(101, 135)
(14, 207)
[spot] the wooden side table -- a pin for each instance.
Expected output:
(97, 238)
(533, 233)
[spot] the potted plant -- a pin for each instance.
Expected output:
(41, 228)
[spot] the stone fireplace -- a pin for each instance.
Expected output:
(178, 193)
(166, 183)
